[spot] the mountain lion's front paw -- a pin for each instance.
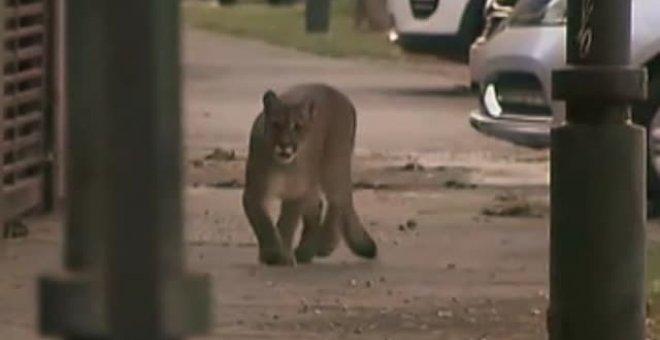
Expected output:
(304, 255)
(276, 257)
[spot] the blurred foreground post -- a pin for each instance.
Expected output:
(597, 264)
(124, 262)
(317, 16)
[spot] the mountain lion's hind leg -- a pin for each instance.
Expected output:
(308, 245)
(290, 215)
(329, 234)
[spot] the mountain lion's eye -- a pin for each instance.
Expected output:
(297, 127)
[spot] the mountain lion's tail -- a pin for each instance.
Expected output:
(357, 238)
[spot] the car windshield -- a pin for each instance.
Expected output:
(538, 12)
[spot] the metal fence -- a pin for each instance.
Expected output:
(27, 120)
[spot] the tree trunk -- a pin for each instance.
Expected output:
(372, 15)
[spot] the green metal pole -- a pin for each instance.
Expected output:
(125, 276)
(597, 256)
(317, 16)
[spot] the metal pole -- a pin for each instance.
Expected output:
(124, 256)
(317, 16)
(597, 252)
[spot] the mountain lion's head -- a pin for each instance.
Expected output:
(286, 126)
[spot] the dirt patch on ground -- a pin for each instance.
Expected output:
(418, 320)
(223, 168)
(516, 204)
(440, 274)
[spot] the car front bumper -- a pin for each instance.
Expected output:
(532, 134)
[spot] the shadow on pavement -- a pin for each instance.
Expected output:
(458, 91)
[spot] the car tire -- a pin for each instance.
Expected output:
(647, 114)
(472, 25)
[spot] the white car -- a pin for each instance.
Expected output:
(514, 71)
(444, 28)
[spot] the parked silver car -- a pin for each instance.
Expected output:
(513, 70)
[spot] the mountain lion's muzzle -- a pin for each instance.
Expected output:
(285, 153)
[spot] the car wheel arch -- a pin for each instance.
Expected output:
(647, 114)
(640, 114)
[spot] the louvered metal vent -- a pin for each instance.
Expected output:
(24, 96)
(423, 9)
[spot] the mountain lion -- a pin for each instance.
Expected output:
(300, 151)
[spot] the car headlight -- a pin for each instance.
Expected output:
(392, 35)
(491, 101)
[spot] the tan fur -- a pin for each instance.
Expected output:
(300, 152)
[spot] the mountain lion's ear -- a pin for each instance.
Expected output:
(269, 100)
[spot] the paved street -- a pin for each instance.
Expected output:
(463, 238)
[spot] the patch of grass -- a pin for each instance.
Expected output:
(285, 26)
(653, 269)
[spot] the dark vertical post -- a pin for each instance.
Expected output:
(60, 108)
(597, 256)
(48, 128)
(317, 16)
(124, 254)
